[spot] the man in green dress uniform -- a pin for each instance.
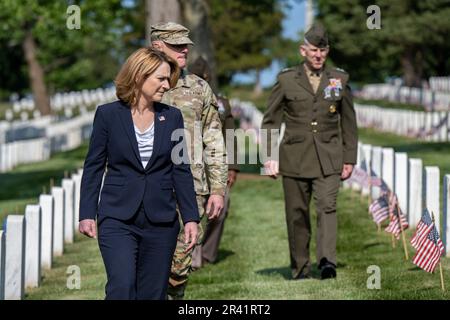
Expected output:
(317, 151)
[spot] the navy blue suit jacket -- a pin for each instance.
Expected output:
(127, 183)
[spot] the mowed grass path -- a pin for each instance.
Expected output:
(253, 259)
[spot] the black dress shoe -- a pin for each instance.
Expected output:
(328, 271)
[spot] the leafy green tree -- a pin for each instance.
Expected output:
(411, 42)
(56, 56)
(242, 31)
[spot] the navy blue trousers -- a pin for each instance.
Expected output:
(137, 254)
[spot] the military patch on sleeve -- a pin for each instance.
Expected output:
(221, 106)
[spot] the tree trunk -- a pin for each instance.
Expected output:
(309, 14)
(412, 67)
(195, 17)
(36, 75)
(161, 11)
(257, 89)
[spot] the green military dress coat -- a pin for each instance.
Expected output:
(321, 131)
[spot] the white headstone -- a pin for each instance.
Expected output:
(431, 183)
(443, 128)
(36, 114)
(2, 265)
(428, 125)
(58, 226)
(69, 194)
(47, 208)
(446, 226)
(435, 136)
(415, 203)
(83, 110)
(68, 112)
(24, 116)
(77, 180)
(9, 115)
(367, 157)
(376, 168)
(356, 186)
(401, 180)
(33, 246)
(15, 257)
(2, 157)
(388, 167)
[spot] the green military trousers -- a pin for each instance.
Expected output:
(297, 196)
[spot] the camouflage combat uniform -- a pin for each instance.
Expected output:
(194, 97)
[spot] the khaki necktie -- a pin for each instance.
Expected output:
(314, 80)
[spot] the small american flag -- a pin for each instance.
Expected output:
(396, 217)
(161, 118)
(380, 209)
(427, 243)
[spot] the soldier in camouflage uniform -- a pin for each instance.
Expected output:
(194, 97)
(208, 250)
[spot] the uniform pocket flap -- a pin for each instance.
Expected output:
(296, 139)
(329, 136)
(117, 181)
(296, 95)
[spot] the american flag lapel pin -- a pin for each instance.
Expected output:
(161, 118)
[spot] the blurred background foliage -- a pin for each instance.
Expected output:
(246, 36)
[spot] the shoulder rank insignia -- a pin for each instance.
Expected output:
(286, 70)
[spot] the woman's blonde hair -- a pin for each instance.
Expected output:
(139, 65)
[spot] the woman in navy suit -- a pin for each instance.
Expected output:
(139, 142)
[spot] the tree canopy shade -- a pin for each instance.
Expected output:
(36, 35)
(242, 33)
(411, 42)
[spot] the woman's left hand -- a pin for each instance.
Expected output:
(190, 234)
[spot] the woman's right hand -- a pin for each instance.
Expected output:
(190, 234)
(88, 228)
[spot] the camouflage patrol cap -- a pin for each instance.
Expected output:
(317, 36)
(171, 33)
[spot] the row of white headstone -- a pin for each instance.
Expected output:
(69, 100)
(25, 151)
(60, 136)
(429, 126)
(432, 100)
(36, 114)
(417, 187)
(30, 242)
(440, 84)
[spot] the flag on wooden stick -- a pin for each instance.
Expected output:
(380, 209)
(396, 217)
(428, 244)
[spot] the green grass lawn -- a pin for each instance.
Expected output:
(255, 250)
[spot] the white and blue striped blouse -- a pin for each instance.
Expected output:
(145, 143)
